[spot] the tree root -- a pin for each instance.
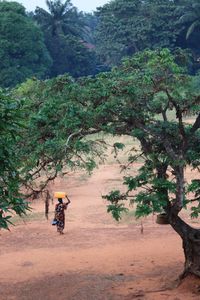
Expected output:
(142, 293)
(186, 273)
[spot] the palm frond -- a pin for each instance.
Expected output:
(188, 17)
(192, 28)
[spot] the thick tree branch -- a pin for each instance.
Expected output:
(179, 173)
(179, 115)
(196, 125)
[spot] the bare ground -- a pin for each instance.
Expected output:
(96, 258)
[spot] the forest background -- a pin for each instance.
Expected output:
(61, 39)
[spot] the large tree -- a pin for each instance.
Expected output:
(147, 98)
(22, 50)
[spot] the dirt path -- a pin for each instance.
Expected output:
(96, 259)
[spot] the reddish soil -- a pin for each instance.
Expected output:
(96, 258)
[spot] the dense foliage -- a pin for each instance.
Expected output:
(56, 125)
(22, 50)
(126, 27)
(11, 127)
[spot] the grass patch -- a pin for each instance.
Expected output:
(37, 217)
(30, 217)
(129, 218)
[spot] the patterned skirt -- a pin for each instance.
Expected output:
(60, 217)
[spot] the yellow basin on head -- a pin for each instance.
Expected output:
(59, 194)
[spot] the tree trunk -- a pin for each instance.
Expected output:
(191, 245)
(190, 236)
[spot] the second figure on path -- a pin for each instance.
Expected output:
(60, 214)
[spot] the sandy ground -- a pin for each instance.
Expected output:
(96, 258)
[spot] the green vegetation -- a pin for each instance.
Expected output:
(23, 53)
(11, 127)
(47, 43)
(126, 27)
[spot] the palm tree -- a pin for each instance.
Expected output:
(191, 16)
(62, 18)
(63, 27)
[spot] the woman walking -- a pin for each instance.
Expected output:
(60, 214)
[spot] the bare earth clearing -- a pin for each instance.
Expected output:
(95, 258)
